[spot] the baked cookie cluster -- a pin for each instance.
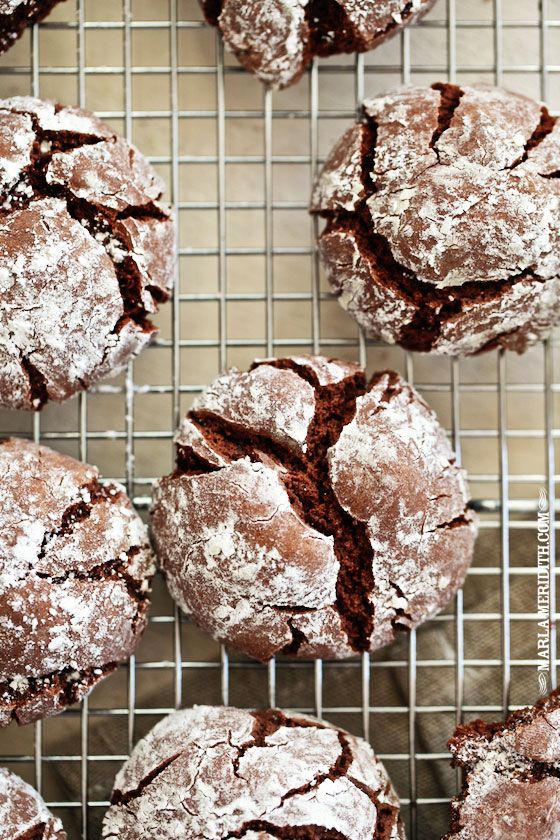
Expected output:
(75, 572)
(311, 512)
(23, 814)
(443, 216)
(511, 784)
(86, 252)
(222, 772)
(278, 40)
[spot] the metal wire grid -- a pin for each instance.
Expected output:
(500, 512)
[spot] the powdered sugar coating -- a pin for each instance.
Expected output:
(451, 166)
(511, 776)
(544, 157)
(53, 273)
(217, 772)
(326, 371)
(393, 446)
(150, 243)
(49, 116)
(190, 437)
(490, 127)
(371, 19)
(75, 566)
(520, 316)
(350, 275)
(277, 39)
(342, 186)
(8, 6)
(239, 529)
(430, 225)
(241, 554)
(405, 122)
(264, 399)
(22, 810)
(269, 38)
(86, 252)
(16, 143)
(109, 174)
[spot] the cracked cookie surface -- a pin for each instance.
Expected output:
(86, 252)
(278, 39)
(443, 217)
(23, 814)
(219, 773)
(511, 776)
(311, 513)
(17, 15)
(75, 570)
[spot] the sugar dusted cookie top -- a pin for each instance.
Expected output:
(443, 217)
(511, 785)
(277, 39)
(86, 251)
(75, 569)
(23, 813)
(214, 772)
(311, 513)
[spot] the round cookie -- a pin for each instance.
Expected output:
(23, 814)
(75, 569)
(278, 39)
(17, 15)
(443, 219)
(214, 772)
(311, 513)
(86, 251)
(511, 785)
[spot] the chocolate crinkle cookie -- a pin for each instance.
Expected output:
(75, 569)
(511, 777)
(23, 814)
(443, 219)
(312, 513)
(278, 39)
(86, 251)
(17, 15)
(216, 773)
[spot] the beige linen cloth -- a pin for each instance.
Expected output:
(147, 90)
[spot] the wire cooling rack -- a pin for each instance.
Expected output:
(239, 164)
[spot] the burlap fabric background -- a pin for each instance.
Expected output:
(111, 78)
